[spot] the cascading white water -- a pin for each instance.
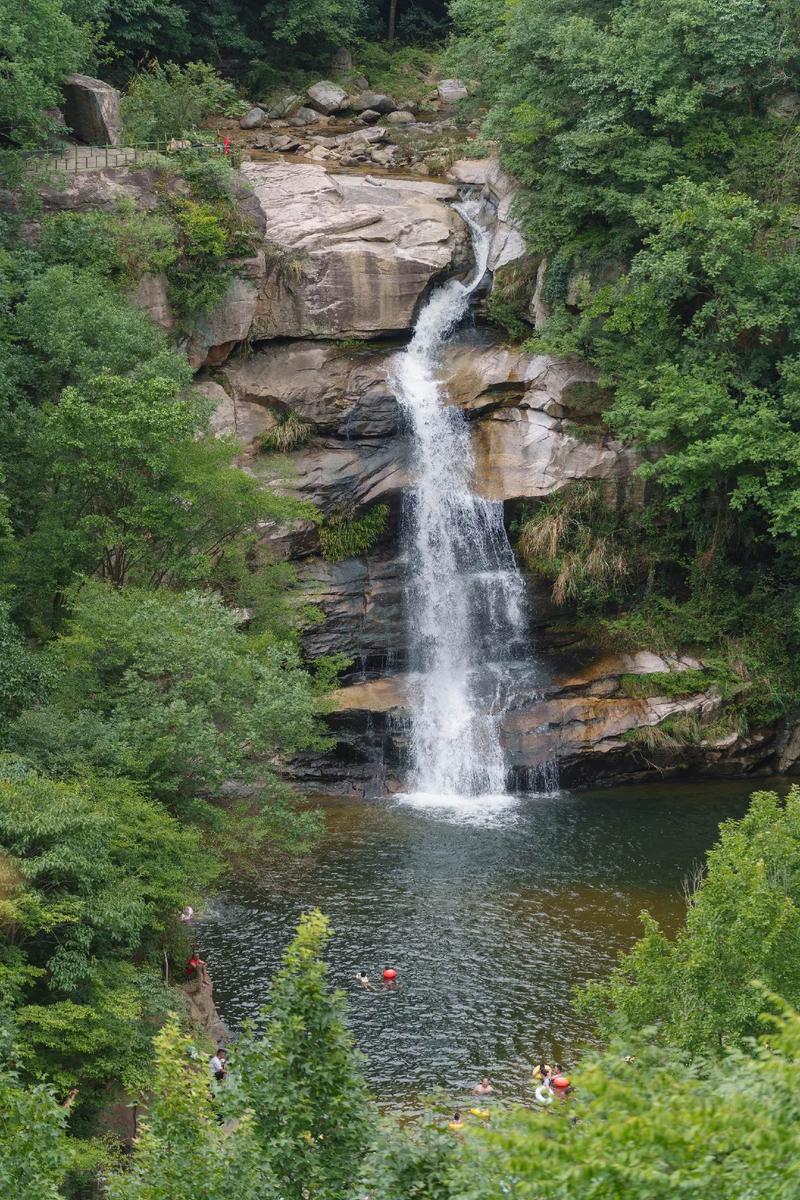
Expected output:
(465, 596)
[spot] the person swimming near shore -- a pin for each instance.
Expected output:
(456, 1122)
(363, 978)
(484, 1088)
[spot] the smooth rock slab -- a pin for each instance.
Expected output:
(363, 253)
(338, 391)
(362, 600)
(340, 476)
(218, 331)
(244, 421)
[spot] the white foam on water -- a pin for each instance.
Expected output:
(482, 811)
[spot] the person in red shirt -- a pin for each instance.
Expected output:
(195, 966)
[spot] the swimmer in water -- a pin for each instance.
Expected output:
(363, 979)
(456, 1122)
(484, 1088)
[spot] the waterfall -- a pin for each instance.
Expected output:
(465, 597)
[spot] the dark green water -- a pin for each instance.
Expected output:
(490, 915)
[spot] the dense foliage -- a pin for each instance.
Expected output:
(151, 679)
(657, 148)
(93, 875)
(183, 1151)
(151, 682)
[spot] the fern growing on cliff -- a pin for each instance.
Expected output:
(342, 536)
(290, 433)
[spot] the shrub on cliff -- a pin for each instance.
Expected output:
(170, 101)
(183, 1152)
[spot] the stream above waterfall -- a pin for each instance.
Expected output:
(490, 914)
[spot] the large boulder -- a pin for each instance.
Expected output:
(451, 90)
(527, 412)
(376, 101)
(328, 97)
(347, 257)
(91, 110)
(253, 119)
(522, 453)
(499, 190)
(304, 116)
(284, 107)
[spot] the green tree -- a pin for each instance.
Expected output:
(302, 1078)
(93, 875)
(34, 1149)
(23, 677)
(600, 105)
(164, 688)
(650, 1129)
(313, 25)
(412, 1160)
(183, 1152)
(168, 100)
(742, 925)
(116, 483)
(39, 46)
(73, 327)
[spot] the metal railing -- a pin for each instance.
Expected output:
(76, 159)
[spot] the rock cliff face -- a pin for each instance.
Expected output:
(347, 256)
(367, 255)
(310, 331)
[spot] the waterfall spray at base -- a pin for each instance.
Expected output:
(465, 597)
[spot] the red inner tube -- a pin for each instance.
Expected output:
(561, 1081)
(390, 974)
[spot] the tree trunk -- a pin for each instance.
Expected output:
(392, 19)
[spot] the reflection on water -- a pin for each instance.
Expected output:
(490, 912)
